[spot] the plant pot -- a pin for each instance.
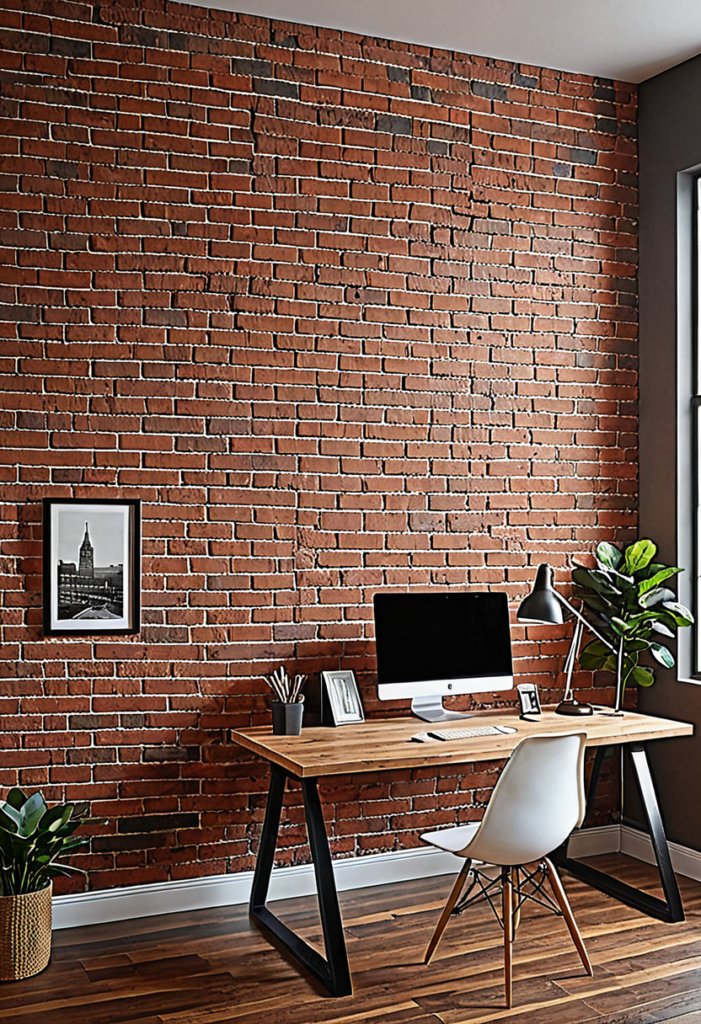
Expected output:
(25, 934)
(287, 718)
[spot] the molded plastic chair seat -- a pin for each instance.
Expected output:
(454, 840)
(537, 801)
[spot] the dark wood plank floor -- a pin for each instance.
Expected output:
(213, 966)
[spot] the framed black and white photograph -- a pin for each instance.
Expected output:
(92, 566)
(343, 697)
(528, 698)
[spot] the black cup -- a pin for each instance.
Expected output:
(287, 718)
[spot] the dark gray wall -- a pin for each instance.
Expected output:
(670, 144)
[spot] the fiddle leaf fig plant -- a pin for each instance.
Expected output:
(32, 839)
(630, 604)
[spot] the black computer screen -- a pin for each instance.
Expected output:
(441, 636)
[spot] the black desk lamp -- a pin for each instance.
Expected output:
(544, 605)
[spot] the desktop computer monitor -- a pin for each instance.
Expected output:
(430, 646)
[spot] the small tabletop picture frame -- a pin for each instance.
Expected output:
(343, 697)
(528, 698)
(92, 566)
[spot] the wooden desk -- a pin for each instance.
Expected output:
(384, 745)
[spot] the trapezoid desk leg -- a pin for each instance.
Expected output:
(268, 839)
(333, 972)
(329, 910)
(641, 766)
(670, 908)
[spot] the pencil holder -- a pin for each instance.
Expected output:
(287, 718)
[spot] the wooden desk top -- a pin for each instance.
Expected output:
(383, 744)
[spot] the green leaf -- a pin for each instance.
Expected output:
(598, 604)
(654, 581)
(10, 813)
(660, 627)
(55, 818)
(608, 555)
(656, 596)
(639, 555)
(618, 625)
(16, 798)
(681, 615)
(661, 654)
(638, 646)
(32, 812)
(593, 656)
(592, 579)
(643, 676)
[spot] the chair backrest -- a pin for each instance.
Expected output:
(537, 801)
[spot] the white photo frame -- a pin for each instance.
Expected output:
(528, 699)
(343, 697)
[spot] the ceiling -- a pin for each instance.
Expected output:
(629, 40)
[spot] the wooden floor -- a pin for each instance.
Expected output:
(213, 966)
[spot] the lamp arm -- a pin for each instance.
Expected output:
(571, 658)
(587, 623)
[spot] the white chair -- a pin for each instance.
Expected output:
(537, 801)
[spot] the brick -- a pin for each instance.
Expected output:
(345, 316)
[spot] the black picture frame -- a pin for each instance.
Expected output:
(91, 566)
(342, 697)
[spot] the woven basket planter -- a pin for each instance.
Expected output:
(25, 934)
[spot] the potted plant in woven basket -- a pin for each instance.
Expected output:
(32, 839)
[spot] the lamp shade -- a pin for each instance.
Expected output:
(541, 605)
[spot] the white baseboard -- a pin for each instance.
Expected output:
(137, 901)
(637, 844)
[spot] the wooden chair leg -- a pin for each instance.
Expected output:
(561, 898)
(517, 913)
(447, 911)
(508, 920)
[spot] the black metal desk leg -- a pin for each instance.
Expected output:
(333, 972)
(329, 909)
(670, 908)
(268, 838)
(640, 763)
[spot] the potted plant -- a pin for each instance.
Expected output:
(631, 605)
(32, 839)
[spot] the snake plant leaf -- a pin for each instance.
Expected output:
(608, 555)
(594, 580)
(681, 615)
(643, 676)
(662, 654)
(639, 555)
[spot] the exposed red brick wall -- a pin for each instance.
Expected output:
(345, 314)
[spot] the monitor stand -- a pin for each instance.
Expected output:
(431, 709)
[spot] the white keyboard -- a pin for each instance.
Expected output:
(463, 733)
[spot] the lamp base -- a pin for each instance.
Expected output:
(574, 708)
